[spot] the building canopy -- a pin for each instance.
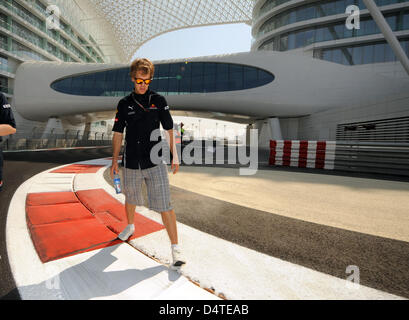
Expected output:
(134, 22)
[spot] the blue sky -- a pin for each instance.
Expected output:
(200, 41)
(196, 42)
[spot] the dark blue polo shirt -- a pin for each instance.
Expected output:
(6, 115)
(140, 120)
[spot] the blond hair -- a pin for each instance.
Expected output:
(144, 65)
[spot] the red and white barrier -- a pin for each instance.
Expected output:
(303, 154)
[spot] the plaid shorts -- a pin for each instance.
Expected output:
(157, 186)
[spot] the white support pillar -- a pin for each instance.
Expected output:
(53, 126)
(275, 128)
(388, 33)
(268, 129)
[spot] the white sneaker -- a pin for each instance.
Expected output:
(178, 259)
(128, 231)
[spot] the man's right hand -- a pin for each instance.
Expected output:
(114, 167)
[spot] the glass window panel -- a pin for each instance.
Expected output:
(319, 34)
(328, 33)
(379, 52)
(117, 83)
(89, 85)
(222, 77)
(367, 54)
(197, 83)
(347, 33)
(263, 77)
(235, 77)
(283, 20)
(63, 85)
(320, 10)
(327, 55)
(405, 46)
(209, 68)
(77, 85)
(197, 69)
(163, 71)
(389, 55)
(173, 86)
(110, 80)
(185, 78)
(405, 22)
(371, 27)
(340, 6)
(392, 21)
(291, 41)
(309, 36)
(299, 39)
(309, 13)
(157, 70)
(346, 56)
(329, 8)
(348, 3)
(186, 70)
(250, 77)
(162, 85)
(233, 68)
(174, 70)
(362, 27)
(357, 53)
(292, 17)
(283, 43)
(339, 31)
(301, 12)
(337, 56)
(197, 77)
(209, 82)
(125, 80)
(361, 4)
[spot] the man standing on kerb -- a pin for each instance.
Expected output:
(140, 113)
(7, 127)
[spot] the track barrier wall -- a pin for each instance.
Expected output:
(372, 157)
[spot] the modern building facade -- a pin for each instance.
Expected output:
(37, 30)
(318, 29)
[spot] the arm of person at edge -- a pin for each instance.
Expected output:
(9, 125)
(116, 147)
(118, 130)
(6, 129)
(170, 136)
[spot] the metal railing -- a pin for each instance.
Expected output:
(372, 157)
(391, 158)
(37, 139)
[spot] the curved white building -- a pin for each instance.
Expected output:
(307, 76)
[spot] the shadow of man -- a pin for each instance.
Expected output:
(90, 279)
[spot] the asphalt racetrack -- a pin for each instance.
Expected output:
(382, 261)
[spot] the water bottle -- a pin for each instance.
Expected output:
(117, 182)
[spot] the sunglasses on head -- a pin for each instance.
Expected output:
(140, 81)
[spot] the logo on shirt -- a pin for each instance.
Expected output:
(6, 106)
(153, 106)
(167, 108)
(130, 107)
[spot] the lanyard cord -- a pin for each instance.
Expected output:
(137, 102)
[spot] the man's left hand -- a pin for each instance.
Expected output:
(174, 167)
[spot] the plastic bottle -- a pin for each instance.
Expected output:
(117, 183)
